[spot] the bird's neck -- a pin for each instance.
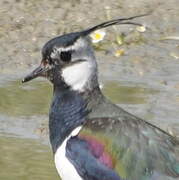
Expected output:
(67, 113)
(64, 98)
(91, 93)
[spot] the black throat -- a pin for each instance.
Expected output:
(69, 108)
(68, 111)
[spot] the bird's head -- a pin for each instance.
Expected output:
(69, 60)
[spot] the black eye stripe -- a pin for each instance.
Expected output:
(65, 56)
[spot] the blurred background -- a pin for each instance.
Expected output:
(138, 69)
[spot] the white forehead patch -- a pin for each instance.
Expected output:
(77, 75)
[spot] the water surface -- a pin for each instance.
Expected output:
(25, 159)
(24, 125)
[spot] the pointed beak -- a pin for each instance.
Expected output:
(39, 71)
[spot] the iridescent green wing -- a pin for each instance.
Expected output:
(137, 149)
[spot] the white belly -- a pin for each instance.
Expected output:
(64, 167)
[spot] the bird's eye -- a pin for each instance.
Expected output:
(65, 56)
(47, 61)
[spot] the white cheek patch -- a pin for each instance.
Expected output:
(77, 75)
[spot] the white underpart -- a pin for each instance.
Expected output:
(77, 75)
(64, 167)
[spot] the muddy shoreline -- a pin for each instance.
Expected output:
(26, 25)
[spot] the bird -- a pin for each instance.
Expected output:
(91, 137)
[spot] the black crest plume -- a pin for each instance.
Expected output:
(113, 22)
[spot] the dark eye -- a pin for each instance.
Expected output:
(65, 56)
(49, 60)
(46, 61)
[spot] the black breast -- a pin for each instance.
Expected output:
(68, 111)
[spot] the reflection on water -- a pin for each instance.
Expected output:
(121, 94)
(34, 98)
(25, 99)
(21, 107)
(24, 159)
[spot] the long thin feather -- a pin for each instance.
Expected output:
(113, 22)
